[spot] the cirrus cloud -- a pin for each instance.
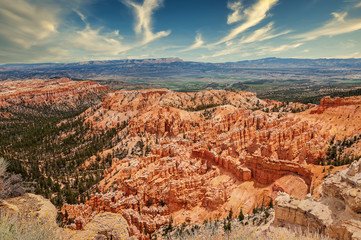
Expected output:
(236, 15)
(27, 25)
(338, 25)
(198, 42)
(143, 13)
(95, 42)
(263, 34)
(251, 17)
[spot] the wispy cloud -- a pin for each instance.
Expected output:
(236, 15)
(27, 25)
(143, 13)
(38, 30)
(228, 51)
(338, 25)
(219, 53)
(352, 55)
(251, 16)
(281, 48)
(198, 42)
(94, 42)
(242, 51)
(263, 34)
(91, 40)
(358, 5)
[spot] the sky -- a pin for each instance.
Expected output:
(33, 31)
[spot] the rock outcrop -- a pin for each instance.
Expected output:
(337, 214)
(101, 226)
(328, 102)
(30, 204)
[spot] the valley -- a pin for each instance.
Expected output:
(282, 79)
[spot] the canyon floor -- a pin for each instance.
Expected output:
(152, 155)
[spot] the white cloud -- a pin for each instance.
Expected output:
(198, 42)
(281, 48)
(236, 15)
(223, 52)
(94, 42)
(251, 16)
(358, 5)
(227, 51)
(143, 14)
(263, 34)
(26, 25)
(352, 55)
(38, 30)
(338, 25)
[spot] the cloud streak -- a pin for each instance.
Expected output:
(27, 25)
(236, 15)
(250, 16)
(338, 25)
(263, 34)
(198, 42)
(94, 42)
(143, 13)
(285, 47)
(282, 48)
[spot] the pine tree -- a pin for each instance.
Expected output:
(240, 216)
(230, 215)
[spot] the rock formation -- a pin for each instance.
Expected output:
(328, 102)
(101, 226)
(194, 156)
(337, 214)
(30, 204)
(55, 94)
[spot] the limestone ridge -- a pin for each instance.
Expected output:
(337, 214)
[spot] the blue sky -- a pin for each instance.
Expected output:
(195, 30)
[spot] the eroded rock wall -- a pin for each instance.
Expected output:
(337, 214)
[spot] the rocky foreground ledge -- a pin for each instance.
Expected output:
(337, 214)
(35, 207)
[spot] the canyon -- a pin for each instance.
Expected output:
(193, 156)
(198, 155)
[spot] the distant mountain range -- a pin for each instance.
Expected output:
(301, 63)
(89, 63)
(165, 67)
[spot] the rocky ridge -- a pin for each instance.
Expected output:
(337, 214)
(60, 94)
(328, 102)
